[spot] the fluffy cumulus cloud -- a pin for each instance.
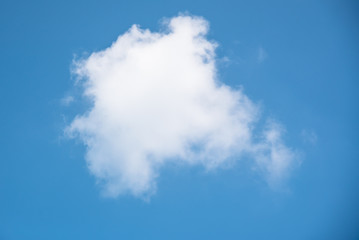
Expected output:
(156, 99)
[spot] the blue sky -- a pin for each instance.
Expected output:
(297, 61)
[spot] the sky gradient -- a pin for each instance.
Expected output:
(297, 61)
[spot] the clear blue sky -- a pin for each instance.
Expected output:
(307, 77)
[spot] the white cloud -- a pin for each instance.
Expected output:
(157, 99)
(273, 157)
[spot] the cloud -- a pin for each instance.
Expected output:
(309, 136)
(273, 157)
(67, 100)
(262, 55)
(156, 99)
